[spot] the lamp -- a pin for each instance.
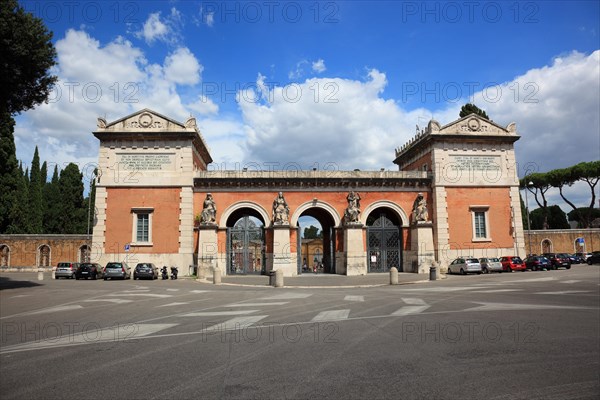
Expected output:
(528, 221)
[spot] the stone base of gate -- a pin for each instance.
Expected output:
(354, 246)
(421, 244)
(282, 256)
(208, 250)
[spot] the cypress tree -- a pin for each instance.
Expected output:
(19, 216)
(8, 169)
(52, 209)
(35, 195)
(73, 213)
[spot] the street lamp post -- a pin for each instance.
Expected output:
(527, 211)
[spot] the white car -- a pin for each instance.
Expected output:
(464, 265)
(490, 264)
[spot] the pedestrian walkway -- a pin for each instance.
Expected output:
(324, 280)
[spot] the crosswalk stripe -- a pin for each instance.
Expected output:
(173, 304)
(172, 290)
(571, 281)
(496, 290)
(331, 315)
(218, 313)
(414, 301)
(354, 298)
(274, 303)
(162, 296)
(407, 310)
(55, 309)
(120, 332)
(565, 292)
(116, 301)
(236, 323)
(199, 291)
(288, 296)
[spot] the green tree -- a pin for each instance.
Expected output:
(311, 232)
(538, 187)
(524, 212)
(73, 212)
(19, 217)
(90, 202)
(9, 168)
(27, 57)
(554, 218)
(590, 214)
(35, 196)
(470, 108)
(53, 204)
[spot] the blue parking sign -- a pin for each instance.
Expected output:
(127, 247)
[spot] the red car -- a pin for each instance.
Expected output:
(512, 263)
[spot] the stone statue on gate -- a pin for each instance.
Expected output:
(420, 213)
(281, 211)
(352, 213)
(209, 211)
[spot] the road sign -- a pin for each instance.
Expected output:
(127, 247)
(580, 241)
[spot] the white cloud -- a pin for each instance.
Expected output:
(162, 29)
(204, 106)
(319, 66)
(299, 71)
(182, 67)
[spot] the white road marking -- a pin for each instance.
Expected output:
(173, 304)
(354, 298)
(199, 291)
(287, 296)
(274, 303)
(135, 291)
(172, 290)
(497, 290)
(571, 281)
(521, 306)
(331, 315)
(546, 279)
(413, 301)
(218, 313)
(162, 296)
(118, 333)
(116, 301)
(54, 309)
(20, 295)
(565, 292)
(236, 323)
(407, 310)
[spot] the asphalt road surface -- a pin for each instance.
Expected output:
(521, 335)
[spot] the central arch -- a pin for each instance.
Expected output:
(384, 240)
(318, 253)
(245, 242)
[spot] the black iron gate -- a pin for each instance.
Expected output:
(384, 245)
(245, 248)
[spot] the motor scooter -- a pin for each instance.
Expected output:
(173, 272)
(163, 272)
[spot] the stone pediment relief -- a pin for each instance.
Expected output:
(476, 125)
(144, 120)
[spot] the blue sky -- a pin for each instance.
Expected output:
(316, 83)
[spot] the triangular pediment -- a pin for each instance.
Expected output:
(474, 124)
(143, 120)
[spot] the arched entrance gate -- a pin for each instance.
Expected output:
(245, 243)
(384, 241)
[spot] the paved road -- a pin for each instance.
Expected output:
(531, 335)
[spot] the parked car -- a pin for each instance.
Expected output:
(117, 270)
(536, 263)
(594, 258)
(490, 265)
(558, 260)
(145, 270)
(512, 263)
(575, 259)
(584, 256)
(66, 270)
(89, 270)
(463, 265)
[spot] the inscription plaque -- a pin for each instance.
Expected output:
(146, 162)
(475, 163)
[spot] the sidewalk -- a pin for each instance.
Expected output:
(324, 280)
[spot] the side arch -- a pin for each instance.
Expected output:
(4, 255)
(243, 204)
(546, 246)
(385, 203)
(315, 204)
(43, 256)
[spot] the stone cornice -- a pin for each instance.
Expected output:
(310, 180)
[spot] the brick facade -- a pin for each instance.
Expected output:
(32, 251)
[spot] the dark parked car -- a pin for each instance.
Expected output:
(512, 263)
(89, 270)
(575, 259)
(558, 260)
(66, 270)
(536, 263)
(117, 270)
(145, 270)
(594, 258)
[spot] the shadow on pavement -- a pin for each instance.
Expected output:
(7, 283)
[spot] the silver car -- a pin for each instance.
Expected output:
(118, 270)
(464, 265)
(66, 270)
(490, 265)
